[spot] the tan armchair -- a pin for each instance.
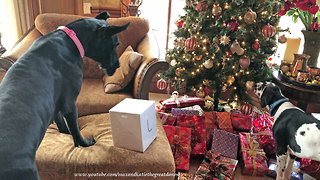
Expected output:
(57, 158)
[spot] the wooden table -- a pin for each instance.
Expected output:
(302, 93)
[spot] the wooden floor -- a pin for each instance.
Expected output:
(195, 162)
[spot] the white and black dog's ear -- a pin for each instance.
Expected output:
(269, 92)
(104, 15)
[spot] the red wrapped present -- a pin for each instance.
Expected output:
(268, 143)
(253, 156)
(262, 126)
(167, 118)
(210, 119)
(263, 121)
(224, 121)
(225, 143)
(198, 131)
(241, 122)
(184, 101)
(310, 167)
(216, 166)
(181, 111)
(180, 142)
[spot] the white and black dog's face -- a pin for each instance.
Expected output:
(267, 92)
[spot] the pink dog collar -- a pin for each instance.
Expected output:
(74, 38)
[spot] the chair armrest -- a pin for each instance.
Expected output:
(146, 70)
(22, 45)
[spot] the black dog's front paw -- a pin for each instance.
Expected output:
(85, 142)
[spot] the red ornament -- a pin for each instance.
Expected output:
(256, 45)
(202, 6)
(268, 30)
(191, 44)
(233, 24)
(179, 23)
(161, 84)
(246, 109)
(244, 62)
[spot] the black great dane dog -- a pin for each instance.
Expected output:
(43, 86)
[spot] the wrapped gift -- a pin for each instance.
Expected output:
(310, 167)
(184, 101)
(241, 122)
(198, 131)
(263, 121)
(180, 142)
(215, 166)
(295, 175)
(225, 143)
(197, 108)
(181, 111)
(253, 156)
(224, 121)
(167, 118)
(210, 119)
(186, 176)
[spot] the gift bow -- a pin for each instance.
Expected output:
(175, 97)
(218, 165)
(253, 151)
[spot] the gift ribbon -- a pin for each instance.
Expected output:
(182, 149)
(264, 132)
(253, 151)
(174, 97)
(218, 165)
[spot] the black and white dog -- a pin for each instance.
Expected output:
(43, 86)
(296, 133)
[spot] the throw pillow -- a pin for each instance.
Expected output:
(129, 62)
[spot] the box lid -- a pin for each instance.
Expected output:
(132, 106)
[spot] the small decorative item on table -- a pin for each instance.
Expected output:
(224, 121)
(262, 127)
(193, 110)
(180, 141)
(241, 122)
(295, 175)
(215, 166)
(310, 167)
(198, 132)
(253, 156)
(167, 118)
(225, 143)
(184, 101)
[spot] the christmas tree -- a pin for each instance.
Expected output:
(221, 45)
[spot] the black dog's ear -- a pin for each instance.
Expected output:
(263, 102)
(111, 30)
(104, 15)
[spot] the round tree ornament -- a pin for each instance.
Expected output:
(216, 10)
(244, 62)
(250, 17)
(191, 44)
(246, 109)
(208, 64)
(161, 84)
(282, 39)
(268, 31)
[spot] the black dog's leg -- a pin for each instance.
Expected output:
(61, 123)
(72, 120)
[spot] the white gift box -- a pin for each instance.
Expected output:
(133, 124)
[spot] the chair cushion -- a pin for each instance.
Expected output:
(57, 158)
(129, 62)
(92, 98)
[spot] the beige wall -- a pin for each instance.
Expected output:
(104, 3)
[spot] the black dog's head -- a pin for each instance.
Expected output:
(268, 93)
(102, 47)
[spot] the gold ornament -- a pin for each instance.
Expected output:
(285, 68)
(197, 57)
(236, 48)
(200, 93)
(230, 80)
(216, 10)
(250, 17)
(208, 64)
(282, 39)
(224, 40)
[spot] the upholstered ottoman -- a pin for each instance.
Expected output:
(58, 159)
